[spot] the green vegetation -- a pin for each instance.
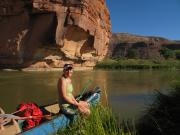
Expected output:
(167, 53)
(102, 121)
(177, 53)
(163, 115)
(139, 57)
(138, 64)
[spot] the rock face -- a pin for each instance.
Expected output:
(146, 47)
(48, 33)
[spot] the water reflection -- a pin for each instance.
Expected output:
(127, 91)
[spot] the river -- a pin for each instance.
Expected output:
(127, 92)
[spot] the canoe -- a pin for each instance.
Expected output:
(61, 121)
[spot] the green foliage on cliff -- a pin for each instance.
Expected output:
(167, 53)
(177, 53)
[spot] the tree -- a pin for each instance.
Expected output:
(167, 53)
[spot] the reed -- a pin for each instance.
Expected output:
(102, 121)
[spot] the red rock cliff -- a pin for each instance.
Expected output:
(47, 33)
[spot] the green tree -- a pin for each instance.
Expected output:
(177, 53)
(167, 53)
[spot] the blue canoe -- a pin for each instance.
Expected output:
(61, 121)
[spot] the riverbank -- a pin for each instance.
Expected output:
(46, 69)
(115, 64)
(138, 64)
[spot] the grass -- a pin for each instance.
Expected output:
(138, 64)
(102, 121)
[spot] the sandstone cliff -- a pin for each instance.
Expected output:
(48, 33)
(146, 47)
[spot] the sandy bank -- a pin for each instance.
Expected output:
(47, 69)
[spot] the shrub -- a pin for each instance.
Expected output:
(177, 54)
(163, 115)
(167, 53)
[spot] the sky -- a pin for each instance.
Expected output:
(146, 17)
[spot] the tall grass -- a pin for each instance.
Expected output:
(102, 121)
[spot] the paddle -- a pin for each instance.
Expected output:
(5, 120)
(83, 90)
(11, 116)
(4, 117)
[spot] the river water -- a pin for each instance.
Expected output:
(127, 92)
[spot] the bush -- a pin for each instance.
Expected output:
(163, 115)
(177, 54)
(167, 53)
